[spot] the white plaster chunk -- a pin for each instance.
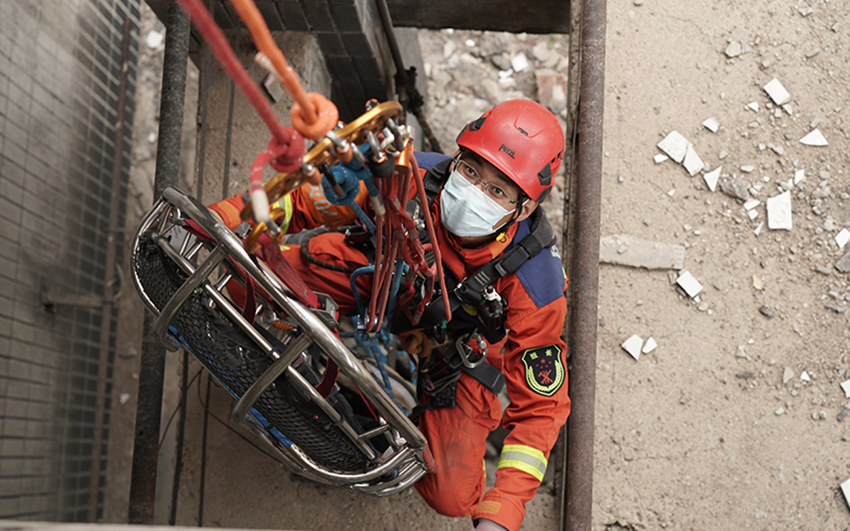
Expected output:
(815, 138)
(757, 230)
(787, 374)
(649, 346)
(733, 50)
(660, 157)
(753, 106)
(805, 376)
(688, 283)
(777, 92)
(779, 212)
(799, 176)
(519, 62)
(842, 238)
(633, 345)
(712, 177)
(711, 124)
(154, 39)
(751, 204)
(675, 145)
(752, 214)
(693, 164)
(845, 488)
(845, 385)
(747, 168)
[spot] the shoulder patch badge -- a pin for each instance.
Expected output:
(544, 371)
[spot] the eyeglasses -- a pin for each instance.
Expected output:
(494, 191)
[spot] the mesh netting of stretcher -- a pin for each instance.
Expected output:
(237, 362)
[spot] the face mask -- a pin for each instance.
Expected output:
(466, 211)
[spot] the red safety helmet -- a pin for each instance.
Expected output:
(523, 140)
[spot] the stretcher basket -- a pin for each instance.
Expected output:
(181, 274)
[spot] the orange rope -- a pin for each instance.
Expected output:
(312, 114)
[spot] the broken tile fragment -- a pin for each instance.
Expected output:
(736, 188)
(753, 106)
(751, 204)
(752, 214)
(660, 157)
(757, 230)
(799, 176)
(845, 385)
(693, 164)
(779, 212)
(688, 283)
(842, 238)
(804, 376)
(633, 345)
(815, 138)
(622, 249)
(777, 92)
(711, 124)
(712, 177)
(649, 346)
(675, 145)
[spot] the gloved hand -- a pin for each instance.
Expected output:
(416, 342)
(488, 525)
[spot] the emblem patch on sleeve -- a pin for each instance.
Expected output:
(544, 371)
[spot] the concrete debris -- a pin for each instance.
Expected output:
(733, 50)
(688, 283)
(751, 204)
(779, 411)
(752, 214)
(815, 138)
(767, 311)
(779, 212)
(672, 192)
(799, 176)
(845, 385)
(711, 124)
(712, 177)
(753, 106)
(758, 228)
(842, 415)
(843, 265)
(633, 345)
(804, 376)
(519, 62)
(649, 346)
(745, 374)
(740, 353)
(758, 283)
(812, 53)
(736, 188)
(823, 270)
(787, 375)
(622, 249)
(779, 150)
(747, 168)
(274, 88)
(660, 157)
(777, 92)
(805, 11)
(842, 238)
(693, 164)
(819, 415)
(836, 26)
(723, 154)
(675, 146)
(123, 398)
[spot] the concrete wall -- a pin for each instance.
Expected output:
(59, 68)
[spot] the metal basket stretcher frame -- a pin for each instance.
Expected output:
(406, 459)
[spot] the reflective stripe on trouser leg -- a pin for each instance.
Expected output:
(525, 458)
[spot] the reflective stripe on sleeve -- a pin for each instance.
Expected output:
(287, 211)
(525, 458)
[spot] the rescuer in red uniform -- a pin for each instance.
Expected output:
(484, 204)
